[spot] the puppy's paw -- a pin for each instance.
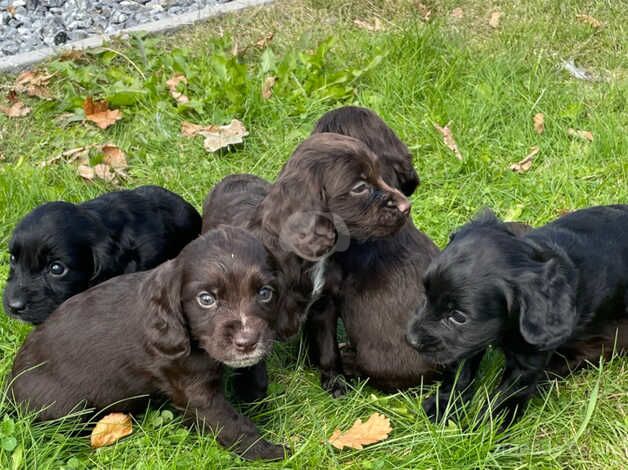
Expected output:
(335, 384)
(264, 450)
(349, 363)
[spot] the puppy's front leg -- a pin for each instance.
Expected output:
(323, 350)
(206, 405)
(519, 381)
(250, 384)
(454, 384)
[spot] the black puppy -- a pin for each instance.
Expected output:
(165, 333)
(551, 299)
(61, 249)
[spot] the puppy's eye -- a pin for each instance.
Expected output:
(361, 187)
(206, 300)
(457, 317)
(265, 294)
(12, 259)
(57, 269)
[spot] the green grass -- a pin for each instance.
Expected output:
(489, 83)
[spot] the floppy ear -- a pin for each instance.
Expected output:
(295, 209)
(547, 308)
(106, 260)
(166, 328)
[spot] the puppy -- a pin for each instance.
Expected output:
(61, 249)
(163, 333)
(378, 294)
(551, 299)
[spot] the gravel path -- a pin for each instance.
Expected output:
(27, 25)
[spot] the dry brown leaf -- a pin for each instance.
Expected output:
(113, 166)
(424, 11)
(457, 12)
(110, 429)
(114, 156)
(99, 113)
(449, 140)
(11, 10)
(33, 84)
(16, 110)
(539, 123)
(216, 137)
(172, 86)
(524, 165)
(264, 41)
(579, 134)
(267, 87)
(375, 429)
(493, 21)
(375, 26)
(588, 19)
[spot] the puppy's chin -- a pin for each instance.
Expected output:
(246, 360)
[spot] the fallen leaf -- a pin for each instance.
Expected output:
(112, 167)
(588, 19)
(73, 55)
(578, 134)
(17, 109)
(375, 26)
(33, 84)
(110, 429)
(267, 87)
(172, 86)
(493, 21)
(11, 10)
(216, 137)
(539, 123)
(99, 113)
(457, 12)
(114, 156)
(375, 429)
(424, 11)
(524, 165)
(448, 138)
(264, 40)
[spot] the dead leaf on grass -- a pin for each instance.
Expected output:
(216, 137)
(448, 139)
(15, 110)
(172, 86)
(265, 40)
(539, 123)
(112, 167)
(34, 84)
(267, 87)
(424, 11)
(110, 429)
(99, 113)
(579, 134)
(493, 21)
(457, 12)
(374, 26)
(524, 165)
(588, 19)
(375, 429)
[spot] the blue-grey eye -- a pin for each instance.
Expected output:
(12, 259)
(206, 300)
(457, 317)
(57, 269)
(361, 187)
(265, 294)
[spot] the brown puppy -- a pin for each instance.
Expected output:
(163, 333)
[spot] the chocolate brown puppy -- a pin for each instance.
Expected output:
(164, 333)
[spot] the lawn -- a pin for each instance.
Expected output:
(487, 81)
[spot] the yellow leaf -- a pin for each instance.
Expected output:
(172, 86)
(448, 138)
(539, 123)
(578, 134)
(216, 137)
(588, 19)
(375, 429)
(493, 21)
(110, 429)
(524, 165)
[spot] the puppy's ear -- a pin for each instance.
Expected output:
(547, 311)
(105, 260)
(308, 231)
(165, 323)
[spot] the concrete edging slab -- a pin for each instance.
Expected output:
(20, 61)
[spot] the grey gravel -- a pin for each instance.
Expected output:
(27, 25)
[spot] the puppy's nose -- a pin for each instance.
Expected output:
(246, 340)
(402, 204)
(17, 304)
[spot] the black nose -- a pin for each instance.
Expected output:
(246, 340)
(17, 305)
